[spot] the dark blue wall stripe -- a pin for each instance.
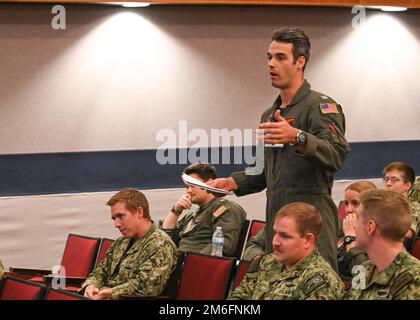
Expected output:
(112, 170)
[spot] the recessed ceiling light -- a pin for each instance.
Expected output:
(135, 4)
(389, 8)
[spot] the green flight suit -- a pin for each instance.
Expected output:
(195, 228)
(289, 176)
(399, 281)
(312, 278)
(143, 270)
(1, 270)
(348, 259)
(255, 246)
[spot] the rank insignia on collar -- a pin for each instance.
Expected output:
(328, 107)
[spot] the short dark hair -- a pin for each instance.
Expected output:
(297, 37)
(390, 211)
(204, 170)
(307, 217)
(408, 173)
(133, 199)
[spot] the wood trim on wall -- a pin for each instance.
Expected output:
(324, 3)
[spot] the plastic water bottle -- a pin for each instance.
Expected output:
(217, 242)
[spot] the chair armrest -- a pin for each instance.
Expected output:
(72, 281)
(30, 271)
(134, 297)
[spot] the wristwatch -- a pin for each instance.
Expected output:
(349, 239)
(175, 212)
(301, 137)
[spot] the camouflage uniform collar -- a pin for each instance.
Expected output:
(299, 268)
(301, 94)
(387, 275)
(146, 236)
(151, 230)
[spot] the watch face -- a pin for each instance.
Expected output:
(301, 138)
(349, 239)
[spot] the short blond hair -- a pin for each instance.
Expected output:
(361, 185)
(390, 211)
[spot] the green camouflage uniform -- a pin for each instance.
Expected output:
(144, 269)
(1, 270)
(399, 281)
(312, 278)
(255, 246)
(195, 228)
(414, 193)
(289, 176)
(415, 212)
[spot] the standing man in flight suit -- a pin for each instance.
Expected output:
(303, 133)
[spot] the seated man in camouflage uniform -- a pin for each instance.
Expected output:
(295, 270)
(400, 177)
(391, 273)
(138, 263)
(193, 230)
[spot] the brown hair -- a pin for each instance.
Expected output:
(307, 217)
(360, 186)
(133, 199)
(204, 170)
(299, 40)
(390, 211)
(408, 173)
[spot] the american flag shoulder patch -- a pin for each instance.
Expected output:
(328, 107)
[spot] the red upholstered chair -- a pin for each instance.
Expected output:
(205, 277)
(57, 294)
(241, 240)
(241, 271)
(342, 209)
(103, 247)
(256, 226)
(73, 282)
(78, 259)
(415, 250)
(12, 288)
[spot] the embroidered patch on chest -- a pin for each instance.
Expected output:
(402, 281)
(313, 284)
(328, 107)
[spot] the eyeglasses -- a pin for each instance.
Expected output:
(392, 179)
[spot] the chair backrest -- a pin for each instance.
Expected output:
(241, 240)
(57, 294)
(103, 247)
(79, 255)
(205, 277)
(256, 226)
(173, 283)
(241, 271)
(18, 289)
(415, 249)
(342, 209)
